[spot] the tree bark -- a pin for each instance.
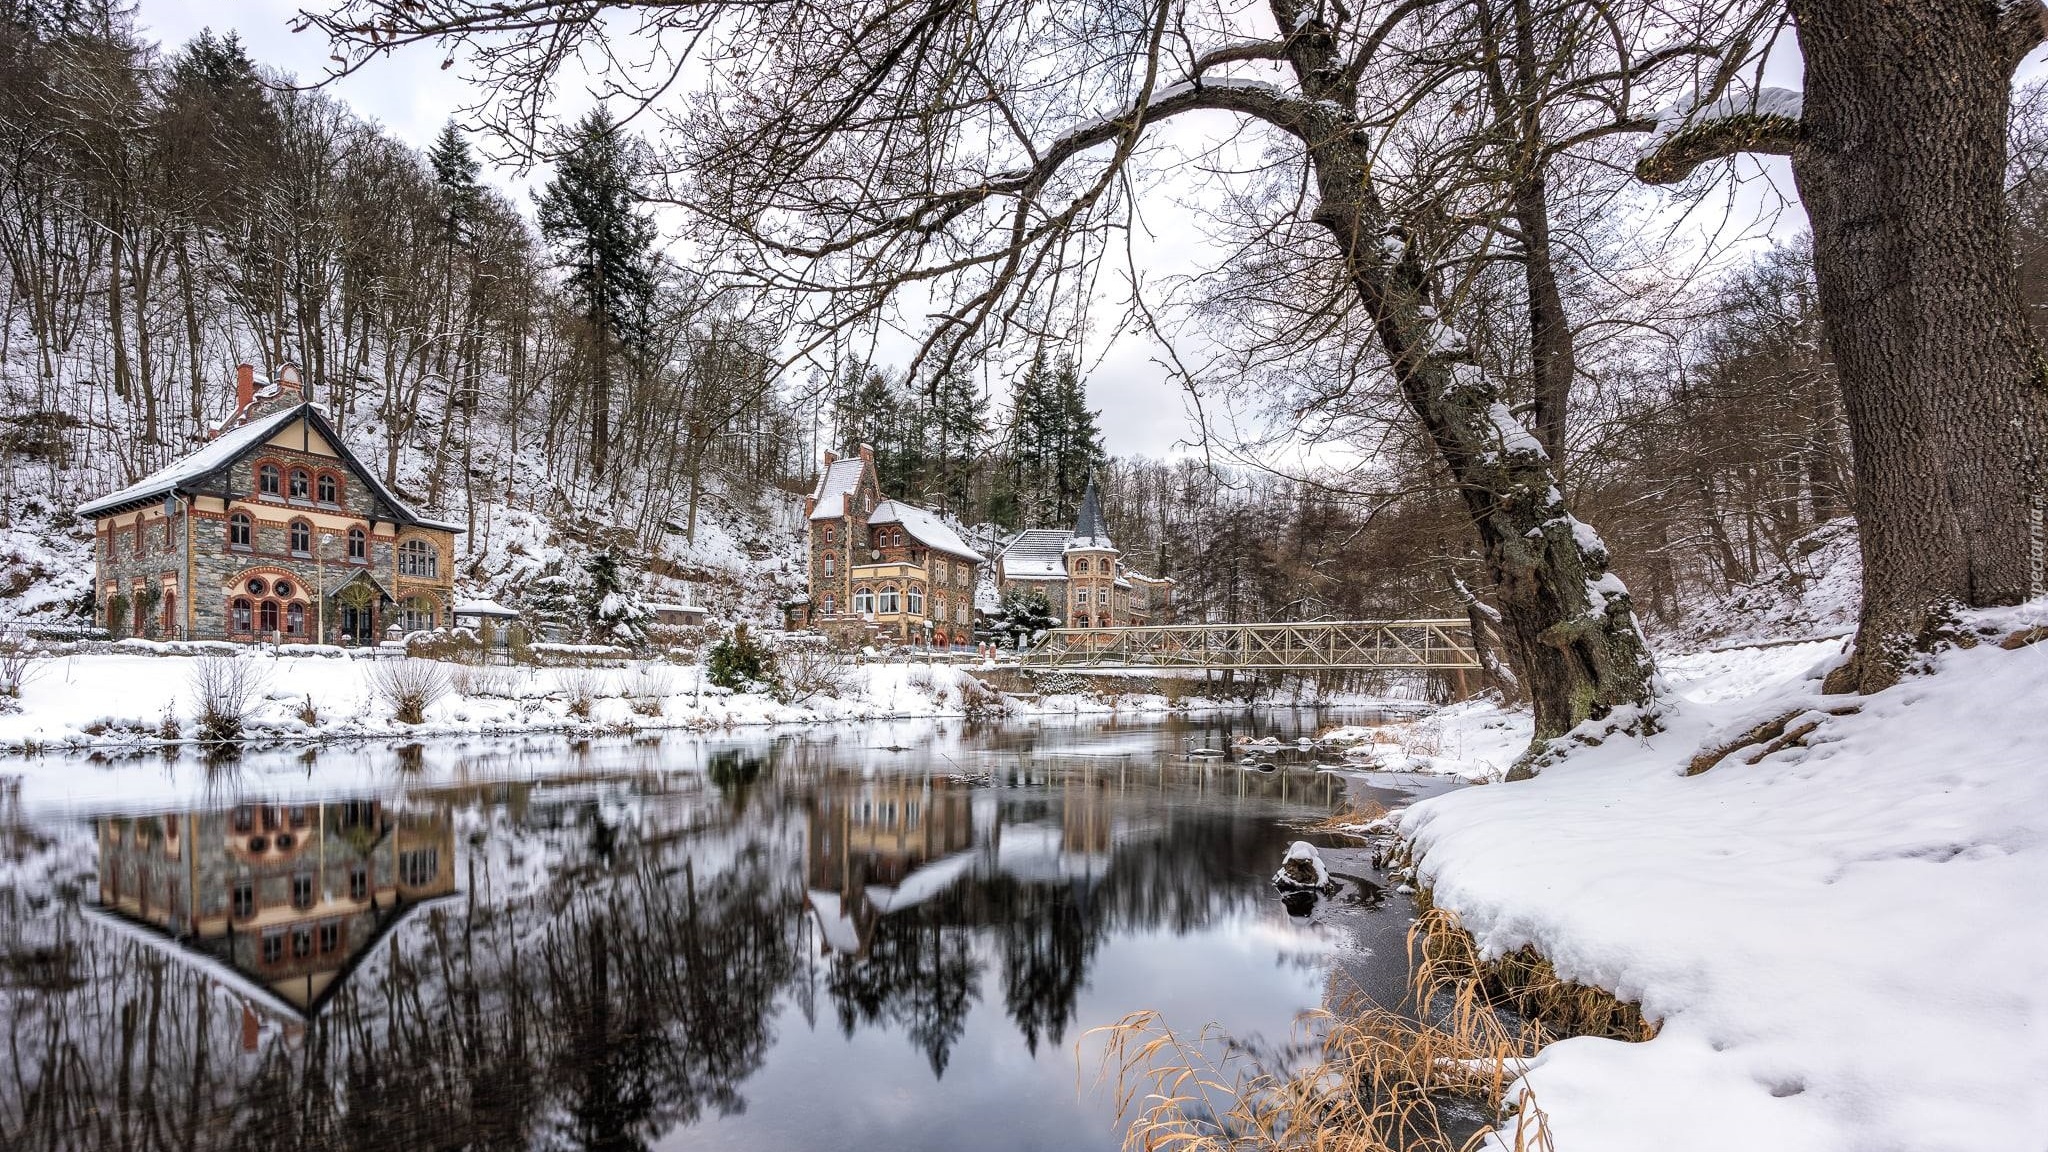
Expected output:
(1901, 169)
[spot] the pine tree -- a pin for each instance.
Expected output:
(589, 213)
(456, 176)
(614, 613)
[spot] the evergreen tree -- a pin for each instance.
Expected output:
(456, 176)
(954, 431)
(589, 212)
(1023, 620)
(615, 615)
(1054, 441)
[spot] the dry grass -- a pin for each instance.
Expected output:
(581, 687)
(1354, 815)
(224, 688)
(1373, 1079)
(647, 689)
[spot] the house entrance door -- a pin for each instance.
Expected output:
(358, 624)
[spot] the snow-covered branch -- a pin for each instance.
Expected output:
(1687, 136)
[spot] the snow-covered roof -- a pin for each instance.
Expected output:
(1090, 530)
(922, 884)
(929, 530)
(483, 608)
(666, 606)
(218, 454)
(1036, 554)
(837, 928)
(838, 482)
(231, 446)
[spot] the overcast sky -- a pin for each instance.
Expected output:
(1142, 413)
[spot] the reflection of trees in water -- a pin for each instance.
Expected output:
(918, 974)
(632, 994)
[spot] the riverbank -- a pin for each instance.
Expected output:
(307, 696)
(1837, 926)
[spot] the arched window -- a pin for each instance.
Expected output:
(889, 600)
(141, 541)
(864, 601)
(242, 616)
(358, 546)
(1081, 621)
(295, 618)
(302, 538)
(302, 484)
(329, 488)
(418, 558)
(960, 614)
(1081, 565)
(416, 614)
(896, 538)
(831, 563)
(916, 601)
(266, 616)
(269, 480)
(830, 606)
(241, 531)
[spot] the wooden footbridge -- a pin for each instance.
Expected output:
(1323, 645)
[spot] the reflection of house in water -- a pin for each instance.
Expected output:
(289, 896)
(889, 844)
(882, 845)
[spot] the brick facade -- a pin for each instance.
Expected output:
(881, 568)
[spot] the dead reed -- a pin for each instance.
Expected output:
(1366, 1078)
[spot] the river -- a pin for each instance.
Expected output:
(893, 936)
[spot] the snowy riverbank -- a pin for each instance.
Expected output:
(302, 696)
(1842, 940)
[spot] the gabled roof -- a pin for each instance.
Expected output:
(837, 483)
(229, 447)
(929, 530)
(1036, 554)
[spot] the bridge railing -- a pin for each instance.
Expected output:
(1338, 644)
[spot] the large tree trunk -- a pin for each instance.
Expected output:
(1901, 168)
(1568, 623)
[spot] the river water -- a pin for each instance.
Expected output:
(895, 936)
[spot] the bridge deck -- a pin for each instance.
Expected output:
(1332, 645)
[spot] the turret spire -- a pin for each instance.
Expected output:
(1089, 528)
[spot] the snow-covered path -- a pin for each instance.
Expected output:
(1846, 944)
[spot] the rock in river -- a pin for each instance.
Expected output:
(1302, 869)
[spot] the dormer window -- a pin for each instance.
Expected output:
(269, 480)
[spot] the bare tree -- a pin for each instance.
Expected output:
(978, 159)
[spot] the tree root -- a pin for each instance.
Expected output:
(1776, 735)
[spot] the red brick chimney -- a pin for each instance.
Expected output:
(867, 453)
(245, 387)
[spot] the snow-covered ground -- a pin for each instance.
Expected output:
(1843, 942)
(307, 693)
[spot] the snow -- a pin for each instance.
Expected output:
(1514, 438)
(1777, 102)
(834, 486)
(1842, 942)
(929, 530)
(922, 884)
(482, 608)
(1304, 854)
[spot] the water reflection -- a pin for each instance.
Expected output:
(623, 946)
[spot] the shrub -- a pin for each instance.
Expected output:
(474, 680)
(117, 612)
(980, 701)
(308, 714)
(648, 688)
(411, 686)
(17, 655)
(223, 689)
(803, 672)
(739, 663)
(581, 687)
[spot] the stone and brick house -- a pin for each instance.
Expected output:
(289, 896)
(883, 567)
(1082, 574)
(272, 531)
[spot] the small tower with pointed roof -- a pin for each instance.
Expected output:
(1091, 558)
